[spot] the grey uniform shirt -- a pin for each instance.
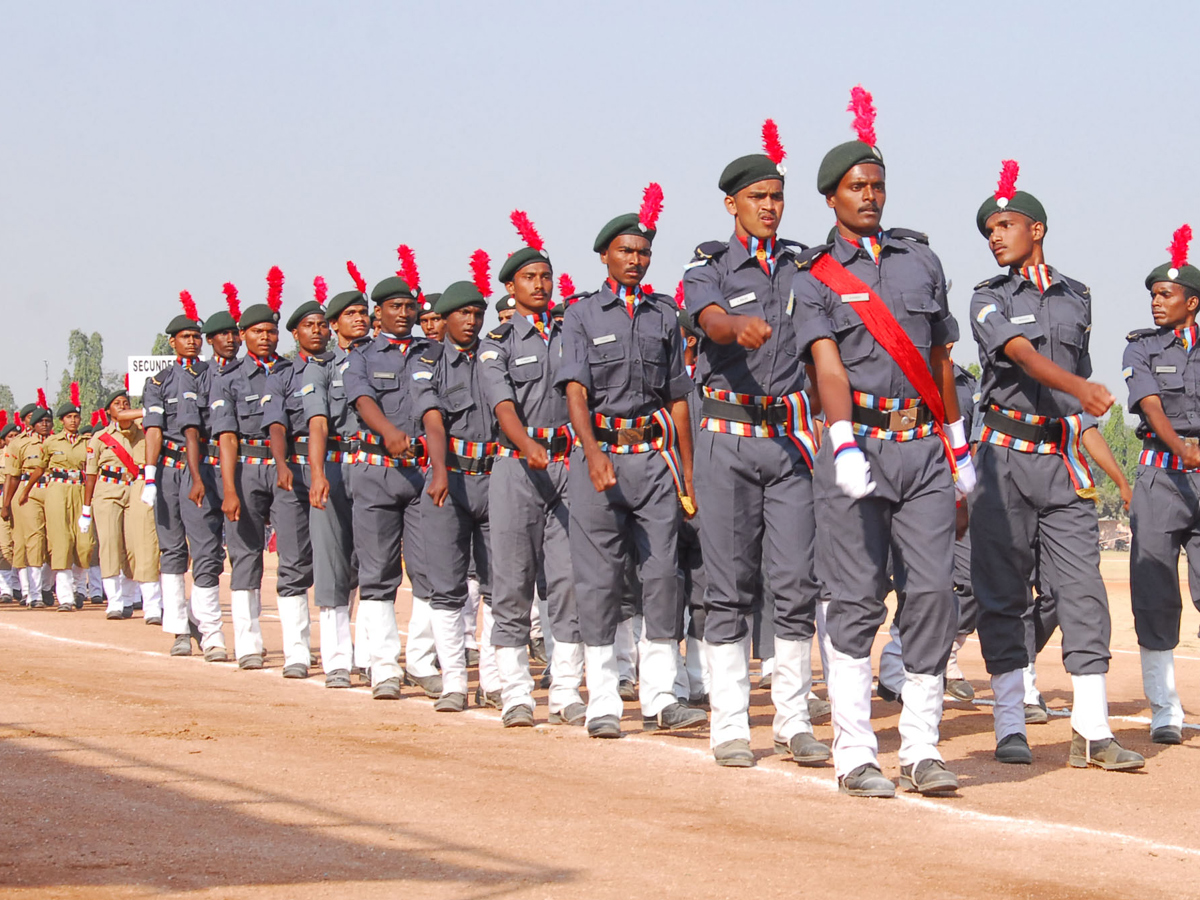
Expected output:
(380, 371)
(518, 365)
(1156, 363)
(324, 393)
(239, 398)
(167, 394)
(195, 413)
(1058, 323)
(447, 379)
(728, 276)
(629, 366)
(284, 404)
(909, 281)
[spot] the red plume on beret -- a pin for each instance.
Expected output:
(1007, 188)
(526, 230)
(3, 417)
(104, 418)
(275, 288)
(75, 394)
(479, 272)
(652, 204)
(189, 307)
(359, 281)
(41, 400)
(771, 143)
(320, 290)
(679, 294)
(95, 417)
(862, 104)
(126, 381)
(1179, 246)
(566, 287)
(408, 268)
(231, 300)
(647, 289)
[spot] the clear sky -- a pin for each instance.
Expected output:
(155, 147)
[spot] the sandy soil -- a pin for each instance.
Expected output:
(126, 773)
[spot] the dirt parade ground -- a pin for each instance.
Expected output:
(127, 773)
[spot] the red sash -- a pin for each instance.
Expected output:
(890, 335)
(122, 454)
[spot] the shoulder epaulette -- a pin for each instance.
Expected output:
(501, 331)
(710, 250)
(907, 234)
(157, 377)
(1078, 286)
(811, 255)
(994, 281)
(430, 353)
(793, 247)
(1140, 333)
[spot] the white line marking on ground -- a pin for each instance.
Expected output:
(1065, 713)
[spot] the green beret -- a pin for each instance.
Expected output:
(307, 308)
(395, 286)
(506, 302)
(626, 224)
(66, 409)
(27, 409)
(85, 429)
(840, 160)
(181, 323)
(458, 295)
(747, 170)
(37, 415)
(108, 401)
(343, 301)
(429, 303)
(218, 322)
(7, 430)
(257, 315)
(519, 260)
(1187, 275)
(685, 320)
(1021, 202)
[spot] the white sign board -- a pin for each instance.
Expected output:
(141, 368)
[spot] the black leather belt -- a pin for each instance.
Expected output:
(1050, 433)
(559, 445)
(625, 437)
(469, 464)
(254, 452)
(892, 420)
(775, 414)
(416, 448)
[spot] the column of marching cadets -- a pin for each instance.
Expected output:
(642, 493)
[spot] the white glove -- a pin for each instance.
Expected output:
(962, 458)
(85, 520)
(850, 467)
(150, 491)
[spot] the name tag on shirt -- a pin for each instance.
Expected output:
(525, 360)
(1165, 370)
(604, 339)
(855, 298)
(172, 399)
(1023, 320)
(251, 398)
(385, 375)
(744, 298)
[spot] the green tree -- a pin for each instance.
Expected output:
(162, 346)
(85, 360)
(976, 372)
(1123, 440)
(7, 401)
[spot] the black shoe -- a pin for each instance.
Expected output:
(960, 689)
(1014, 749)
(818, 709)
(520, 716)
(472, 658)
(735, 754)
(674, 717)
(1106, 754)
(929, 776)
(250, 661)
(805, 749)
(5, 599)
(295, 670)
(544, 681)
(628, 690)
(1036, 713)
(388, 689)
(66, 607)
(127, 612)
(452, 702)
(537, 651)
(604, 727)
(182, 645)
(79, 601)
(47, 598)
(98, 600)
(886, 694)
(700, 701)
(430, 684)
(338, 678)
(137, 604)
(573, 714)
(866, 781)
(1167, 734)
(484, 699)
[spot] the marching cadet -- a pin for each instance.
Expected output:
(252, 492)
(873, 319)
(506, 308)
(447, 398)
(287, 428)
(183, 532)
(387, 483)
(29, 515)
(63, 457)
(9, 583)
(1163, 381)
(1032, 326)
(113, 485)
(433, 326)
(519, 362)
(626, 388)
(754, 453)
(333, 430)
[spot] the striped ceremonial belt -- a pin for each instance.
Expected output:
(114, 476)
(557, 441)
(65, 476)
(39, 483)
(173, 455)
(259, 455)
(470, 457)
(659, 427)
(1043, 435)
(337, 450)
(916, 409)
(212, 454)
(1154, 453)
(791, 413)
(367, 442)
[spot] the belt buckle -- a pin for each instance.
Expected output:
(1191, 441)
(630, 436)
(904, 419)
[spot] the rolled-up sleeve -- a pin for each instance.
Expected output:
(1135, 367)
(574, 347)
(990, 324)
(222, 406)
(702, 289)
(943, 327)
(279, 385)
(496, 383)
(314, 392)
(427, 372)
(357, 383)
(813, 319)
(154, 403)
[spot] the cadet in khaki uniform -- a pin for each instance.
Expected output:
(8, 581)
(112, 490)
(23, 505)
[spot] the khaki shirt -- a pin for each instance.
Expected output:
(62, 452)
(100, 455)
(24, 455)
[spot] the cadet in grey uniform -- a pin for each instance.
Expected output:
(333, 428)
(887, 393)
(754, 456)
(286, 421)
(184, 528)
(1032, 325)
(387, 483)
(1164, 387)
(519, 362)
(622, 369)
(252, 495)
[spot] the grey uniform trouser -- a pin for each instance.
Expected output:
(262, 501)
(530, 529)
(332, 533)
(185, 529)
(911, 515)
(756, 522)
(1026, 501)
(1165, 516)
(967, 610)
(693, 576)
(455, 533)
(643, 508)
(387, 522)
